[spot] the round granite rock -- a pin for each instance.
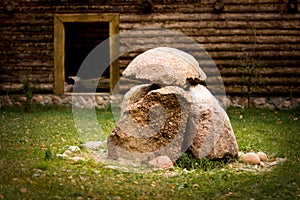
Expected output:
(166, 66)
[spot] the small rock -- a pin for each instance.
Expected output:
(68, 153)
(22, 99)
(92, 145)
(89, 104)
(259, 101)
(47, 100)
(243, 102)
(74, 148)
(39, 99)
(36, 175)
(251, 158)
(99, 100)
(76, 159)
(276, 101)
(23, 190)
(262, 156)
(57, 100)
(162, 162)
(61, 155)
(286, 104)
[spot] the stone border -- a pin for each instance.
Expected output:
(100, 101)
(264, 102)
(103, 101)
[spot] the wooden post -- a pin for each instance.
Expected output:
(114, 52)
(59, 58)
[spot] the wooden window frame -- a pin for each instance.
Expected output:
(59, 45)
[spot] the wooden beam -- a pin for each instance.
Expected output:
(59, 56)
(114, 52)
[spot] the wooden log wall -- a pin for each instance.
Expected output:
(268, 30)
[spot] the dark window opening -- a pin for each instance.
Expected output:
(80, 39)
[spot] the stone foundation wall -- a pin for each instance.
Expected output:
(103, 101)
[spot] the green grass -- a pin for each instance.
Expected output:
(25, 174)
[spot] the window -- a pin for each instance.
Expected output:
(75, 35)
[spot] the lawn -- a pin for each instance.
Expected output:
(26, 138)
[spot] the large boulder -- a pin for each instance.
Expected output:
(170, 114)
(166, 66)
(152, 124)
(209, 133)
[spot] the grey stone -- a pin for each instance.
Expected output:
(276, 101)
(286, 104)
(209, 133)
(259, 101)
(151, 126)
(92, 145)
(165, 66)
(22, 99)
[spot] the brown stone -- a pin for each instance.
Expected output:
(58, 100)
(262, 156)
(162, 162)
(209, 132)
(243, 102)
(99, 100)
(251, 158)
(47, 100)
(152, 125)
(165, 66)
(259, 101)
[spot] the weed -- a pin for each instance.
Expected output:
(248, 67)
(27, 87)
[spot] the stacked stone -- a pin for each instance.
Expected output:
(170, 114)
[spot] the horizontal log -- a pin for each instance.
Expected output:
(264, 91)
(263, 63)
(34, 78)
(177, 16)
(18, 88)
(263, 81)
(263, 54)
(234, 40)
(246, 24)
(239, 47)
(126, 7)
(202, 31)
(274, 71)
